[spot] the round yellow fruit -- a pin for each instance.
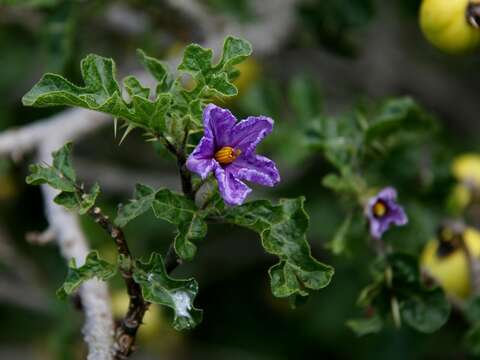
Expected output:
(451, 270)
(444, 23)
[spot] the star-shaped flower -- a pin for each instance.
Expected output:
(227, 149)
(383, 210)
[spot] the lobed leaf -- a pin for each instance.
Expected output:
(159, 288)
(134, 87)
(93, 267)
(101, 90)
(235, 50)
(423, 308)
(153, 66)
(282, 229)
(43, 174)
(178, 210)
(197, 61)
(142, 202)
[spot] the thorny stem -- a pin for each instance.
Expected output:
(127, 330)
(126, 333)
(185, 176)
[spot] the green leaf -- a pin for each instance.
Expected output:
(63, 163)
(134, 87)
(101, 91)
(426, 311)
(178, 210)
(153, 66)
(142, 201)
(88, 200)
(336, 183)
(159, 288)
(152, 114)
(423, 308)
(339, 241)
(366, 326)
(60, 175)
(402, 114)
(472, 310)
(472, 339)
(196, 59)
(93, 267)
(41, 174)
(220, 84)
(68, 200)
(282, 229)
(305, 98)
(235, 50)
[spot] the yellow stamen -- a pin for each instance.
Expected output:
(226, 155)
(379, 209)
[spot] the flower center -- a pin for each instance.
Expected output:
(226, 155)
(379, 209)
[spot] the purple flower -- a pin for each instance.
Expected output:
(228, 150)
(383, 210)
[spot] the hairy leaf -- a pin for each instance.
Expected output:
(197, 61)
(134, 87)
(235, 50)
(178, 210)
(153, 66)
(93, 267)
(282, 229)
(159, 288)
(42, 174)
(142, 201)
(60, 175)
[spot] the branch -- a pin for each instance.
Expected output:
(127, 331)
(275, 19)
(67, 125)
(98, 328)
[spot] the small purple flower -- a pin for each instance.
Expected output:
(383, 210)
(227, 149)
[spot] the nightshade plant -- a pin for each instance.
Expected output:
(172, 115)
(350, 143)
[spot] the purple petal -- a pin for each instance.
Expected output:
(218, 124)
(388, 193)
(255, 168)
(233, 191)
(201, 160)
(397, 215)
(247, 133)
(377, 228)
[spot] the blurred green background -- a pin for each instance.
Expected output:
(312, 60)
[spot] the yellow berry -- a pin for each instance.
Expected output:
(451, 270)
(444, 23)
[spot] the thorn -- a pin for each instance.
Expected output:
(128, 131)
(115, 127)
